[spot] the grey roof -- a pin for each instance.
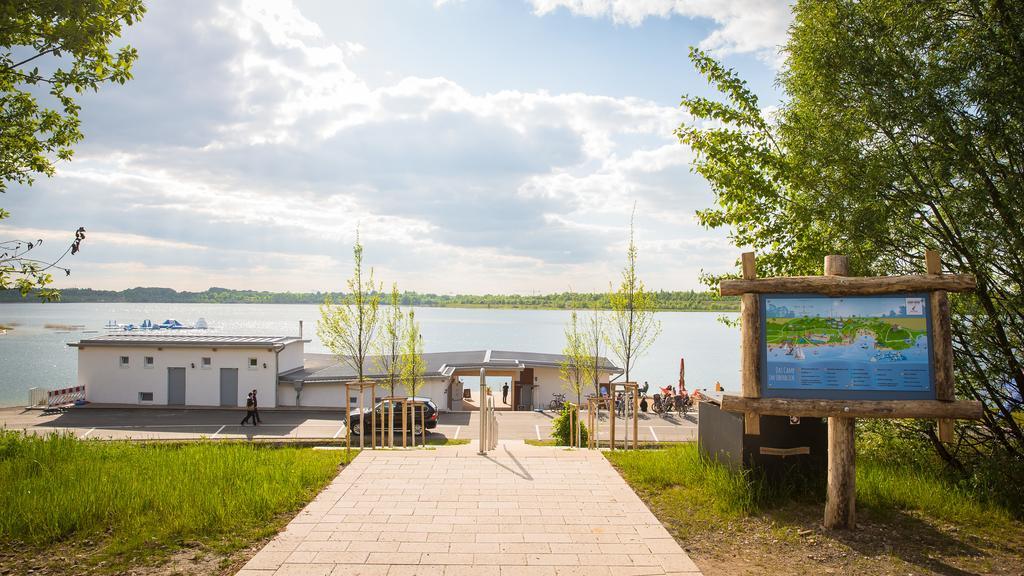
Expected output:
(188, 341)
(327, 368)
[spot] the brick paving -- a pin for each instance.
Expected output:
(522, 510)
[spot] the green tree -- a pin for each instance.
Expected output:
(414, 368)
(389, 345)
(62, 48)
(593, 338)
(348, 328)
(574, 369)
(901, 131)
(633, 327)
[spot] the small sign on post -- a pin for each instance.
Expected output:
(843, 348)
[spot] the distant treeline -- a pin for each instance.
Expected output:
(688, 300)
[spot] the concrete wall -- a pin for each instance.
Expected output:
(106, 382)
(332, 395)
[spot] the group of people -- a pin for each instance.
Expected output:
(252, 411)
(667, 400)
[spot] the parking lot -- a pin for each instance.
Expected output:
(189, 424)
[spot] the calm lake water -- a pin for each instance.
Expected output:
(33, 355)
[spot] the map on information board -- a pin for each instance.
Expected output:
(852, 347)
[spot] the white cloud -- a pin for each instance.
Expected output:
(756, 26)
(260, 180)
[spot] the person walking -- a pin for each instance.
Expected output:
(256, 408)
(250, 410)
(504, 393)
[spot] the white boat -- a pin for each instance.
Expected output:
(201, 324)
(799, 354)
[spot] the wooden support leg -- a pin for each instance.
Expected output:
(840, 508)
(751, 423)
(945, 430)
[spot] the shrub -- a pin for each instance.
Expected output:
(560, 429)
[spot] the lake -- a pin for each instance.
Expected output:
(33, 355)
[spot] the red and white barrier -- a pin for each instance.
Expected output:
(65, 396)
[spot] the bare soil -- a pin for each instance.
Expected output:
(792, 541)
(77, 558)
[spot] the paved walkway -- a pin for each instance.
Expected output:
(523, 510)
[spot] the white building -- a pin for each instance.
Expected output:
(191, 370)
(185, 370)
(534, 378)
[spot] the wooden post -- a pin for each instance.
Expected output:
(405, 424)
(611, 418)
(423, 423)
(348, 423)
(750, 337)
(636, 417)
(373, 418)
(840, 507)
(942, 345)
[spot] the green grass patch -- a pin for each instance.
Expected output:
(447, 441)
(144, 501)
(680, 480)
(888, 487)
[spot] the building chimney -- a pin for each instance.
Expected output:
(300, 328)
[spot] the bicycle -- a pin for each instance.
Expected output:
(557, 402)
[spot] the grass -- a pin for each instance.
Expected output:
(710, 491)
(447, 441)
(142, 502)
(910, 513)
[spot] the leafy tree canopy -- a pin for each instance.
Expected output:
(51, 50)
(901, 131)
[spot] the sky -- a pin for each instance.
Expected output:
(478, 146)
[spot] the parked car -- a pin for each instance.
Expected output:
(358, 423)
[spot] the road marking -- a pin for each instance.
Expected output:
(457, 430)
(537, 428)
(86, 435)
(338, 433)
(653, 434)
(219, 430)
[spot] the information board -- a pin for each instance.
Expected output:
(851, 347)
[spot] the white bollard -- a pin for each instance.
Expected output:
(483, 412)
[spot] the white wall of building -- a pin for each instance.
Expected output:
(291, 357)
(549, 382)
(332, 395)
(107, 382)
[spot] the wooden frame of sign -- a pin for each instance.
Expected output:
(841, 414)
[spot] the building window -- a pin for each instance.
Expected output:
(123, 362)
(147, 362)
(207, 362)
(253, 363)
(145, 396)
